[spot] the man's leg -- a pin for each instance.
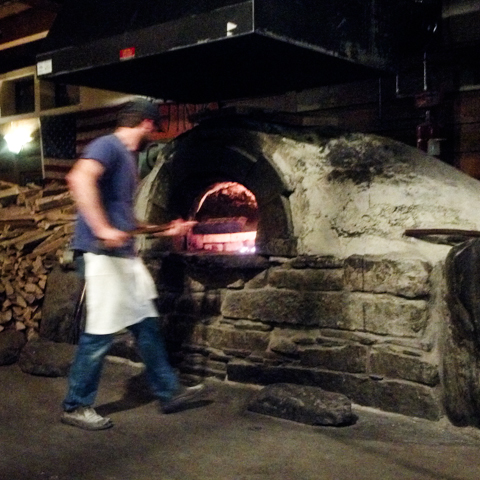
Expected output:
(83, 381)
(163, 379)
(160, 374)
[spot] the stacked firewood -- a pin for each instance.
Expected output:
(36, 225)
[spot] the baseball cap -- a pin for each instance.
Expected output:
(146, 108)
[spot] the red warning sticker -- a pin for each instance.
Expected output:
(127, 53)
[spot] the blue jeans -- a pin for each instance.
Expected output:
(86, 369)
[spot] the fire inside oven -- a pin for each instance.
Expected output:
(227, 216)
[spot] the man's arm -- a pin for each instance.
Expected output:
(83, 183)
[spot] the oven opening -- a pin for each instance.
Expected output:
(227, 216)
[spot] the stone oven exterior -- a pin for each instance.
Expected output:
(336, 295)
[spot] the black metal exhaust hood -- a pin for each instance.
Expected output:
(200, 51)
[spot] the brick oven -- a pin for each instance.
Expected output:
(335, 294)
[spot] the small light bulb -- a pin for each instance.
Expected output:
(16, 139)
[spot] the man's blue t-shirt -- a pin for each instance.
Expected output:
(117, 191)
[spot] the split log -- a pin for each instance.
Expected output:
(28, 239)
(8, 193)
(28, 196)
(5, 316)
(49, 246)
(47, 203)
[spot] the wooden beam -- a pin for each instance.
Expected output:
(28, 23)
(50, 5)
(12, 8)
(23, 40)
(421, 232)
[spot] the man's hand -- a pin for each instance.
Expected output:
(112, 238)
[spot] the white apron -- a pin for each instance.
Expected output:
(119, 293)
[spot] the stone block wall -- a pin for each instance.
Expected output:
(361, 326)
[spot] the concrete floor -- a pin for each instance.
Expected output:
(216, 440)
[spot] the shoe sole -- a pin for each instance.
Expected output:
(86, 426)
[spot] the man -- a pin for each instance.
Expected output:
(119, 289)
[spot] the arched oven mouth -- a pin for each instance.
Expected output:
(227, 216)
(219, 175)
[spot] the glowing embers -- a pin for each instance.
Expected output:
(227, 215)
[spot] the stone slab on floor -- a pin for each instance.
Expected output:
(46, 358)
(304, 404)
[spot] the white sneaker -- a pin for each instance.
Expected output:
(87, 418)
(182, 397)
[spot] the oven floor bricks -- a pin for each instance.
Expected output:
(362, 326)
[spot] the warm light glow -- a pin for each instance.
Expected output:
(227, 215)
(18, 136)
